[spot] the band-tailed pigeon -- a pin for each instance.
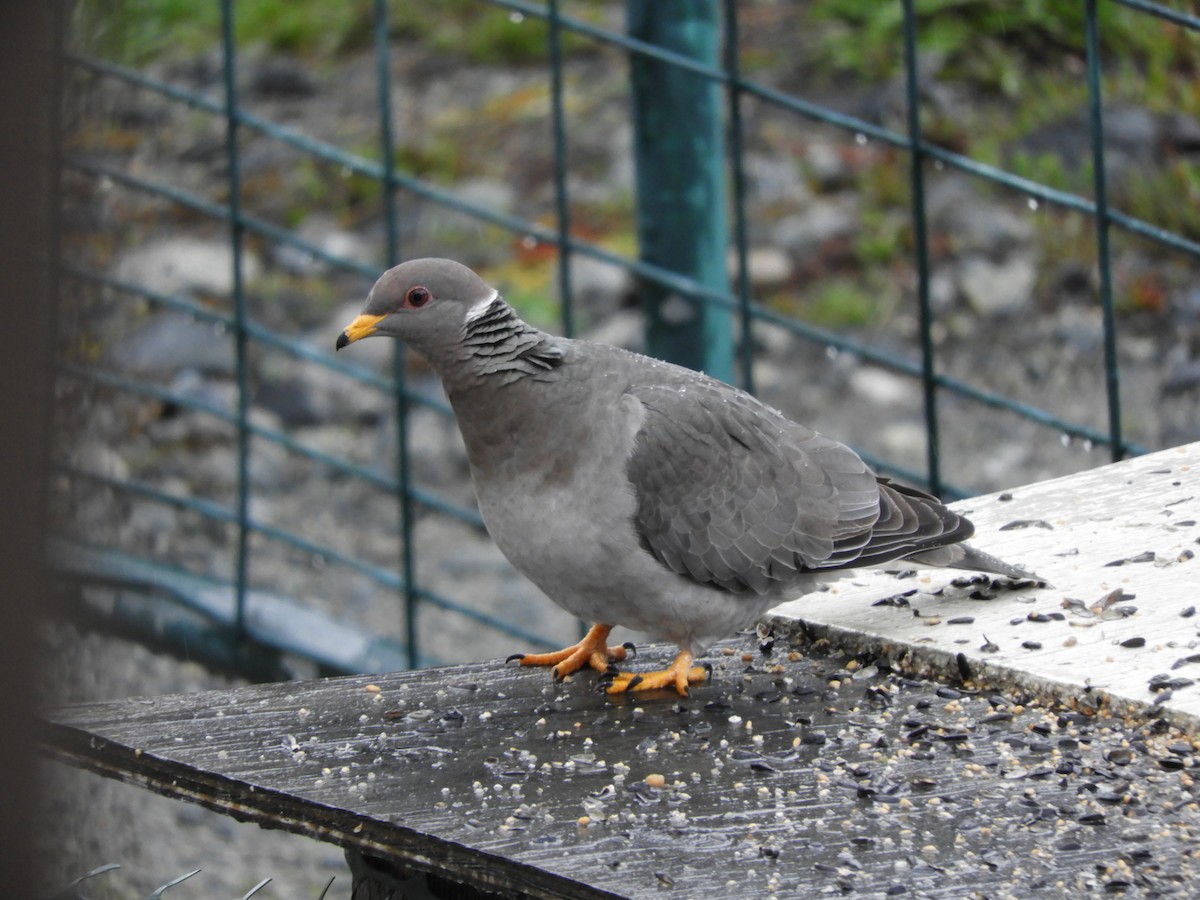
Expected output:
(635, 492)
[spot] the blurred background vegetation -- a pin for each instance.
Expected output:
(1021, 65)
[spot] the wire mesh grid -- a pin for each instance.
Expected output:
(263, 542)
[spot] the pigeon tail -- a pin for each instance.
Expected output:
(972, 559)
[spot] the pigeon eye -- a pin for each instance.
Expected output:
(416, 297)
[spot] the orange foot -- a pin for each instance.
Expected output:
(592, 650)
(679, 676)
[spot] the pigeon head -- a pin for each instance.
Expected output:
(424, 302)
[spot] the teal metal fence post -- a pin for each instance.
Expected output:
(237, 233)
(1112, 374)
(679, 151)
(408, 561)
(916, 157)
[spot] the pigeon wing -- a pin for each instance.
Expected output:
(731, 493)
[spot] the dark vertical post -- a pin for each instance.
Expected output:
(392, 253)
(236, 235)
(1112, 375)
(921, 249)
(561, 200)
(30, 37)
(737, 159)
(679, 151)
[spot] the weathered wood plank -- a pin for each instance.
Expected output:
(1119, 544)
(808, 769)
(800, 771)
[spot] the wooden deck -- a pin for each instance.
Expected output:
(815, 762)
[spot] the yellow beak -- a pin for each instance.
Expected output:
(361, 327)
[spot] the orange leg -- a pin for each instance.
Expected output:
(679, 676)
(592, 650)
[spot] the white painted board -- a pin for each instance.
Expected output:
(1125, 635)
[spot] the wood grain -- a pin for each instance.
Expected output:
(806, 770)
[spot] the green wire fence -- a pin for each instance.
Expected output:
(689, 96)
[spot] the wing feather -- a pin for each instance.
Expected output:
(731, 493)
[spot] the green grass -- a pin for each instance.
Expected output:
(136, 32)
(994, 44)
(838, 302)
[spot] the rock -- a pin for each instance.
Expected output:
(943, 290)
(774, 381)
(1079, 327)
(282, 76)
(974, 223)
(601, 288)
(625, 328)
(1141, 350)
(215, 393)
(903, 440)
(171, 342)
(1185, 376)
(436, 452)
(324, 233)
(776, 340)
(177, 265)
(882, 387)
(1182, 132)
(1134, 130)
(1002, 460)
(769, 267)
(1134, 137)
(149, 525)
(826, 165)
(303, 394)
(293, 400)
(1185, 307)
(100, 460)
(1074, 281)
(438, 230)
(998, 288)
(772, 179)
(803, 233)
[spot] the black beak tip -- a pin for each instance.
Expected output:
(342, 341)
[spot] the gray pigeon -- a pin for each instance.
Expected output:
(635, 492)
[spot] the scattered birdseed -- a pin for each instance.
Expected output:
(1026, 523)
(1143, 557)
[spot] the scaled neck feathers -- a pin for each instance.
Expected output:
(496, 343)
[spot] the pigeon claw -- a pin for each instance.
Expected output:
(680, 674)
(592, 651)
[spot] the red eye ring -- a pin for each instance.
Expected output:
(417, 297)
